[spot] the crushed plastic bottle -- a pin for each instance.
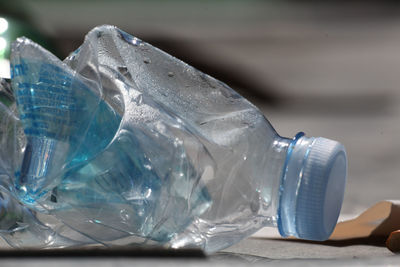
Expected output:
(124, 144)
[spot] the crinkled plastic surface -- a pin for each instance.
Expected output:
(122, 143)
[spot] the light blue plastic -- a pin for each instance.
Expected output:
(312, 188)
(63, 118)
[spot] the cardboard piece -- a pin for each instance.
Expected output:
(372, 227)
(378, 221)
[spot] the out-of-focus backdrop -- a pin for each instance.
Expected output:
(329, 68)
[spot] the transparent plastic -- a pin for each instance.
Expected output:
(122, 143)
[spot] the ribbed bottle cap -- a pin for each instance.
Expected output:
(314, 182)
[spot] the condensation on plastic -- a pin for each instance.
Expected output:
(122, 143)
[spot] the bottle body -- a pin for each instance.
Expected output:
(180, 160)
(182, 117)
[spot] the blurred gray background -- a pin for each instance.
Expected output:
(328, 68)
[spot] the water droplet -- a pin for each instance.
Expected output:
(141, 212)
(73, 54)
(254, 206)
(147, 193)
(147, 60)
(138, 100)
(123, 70)
(171, 74)
(124, 215)
(129, 38)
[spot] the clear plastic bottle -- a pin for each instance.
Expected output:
(190, 162)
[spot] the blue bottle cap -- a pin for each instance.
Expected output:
(312, 188)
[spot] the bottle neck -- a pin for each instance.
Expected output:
(290, 180)
(273, 172)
